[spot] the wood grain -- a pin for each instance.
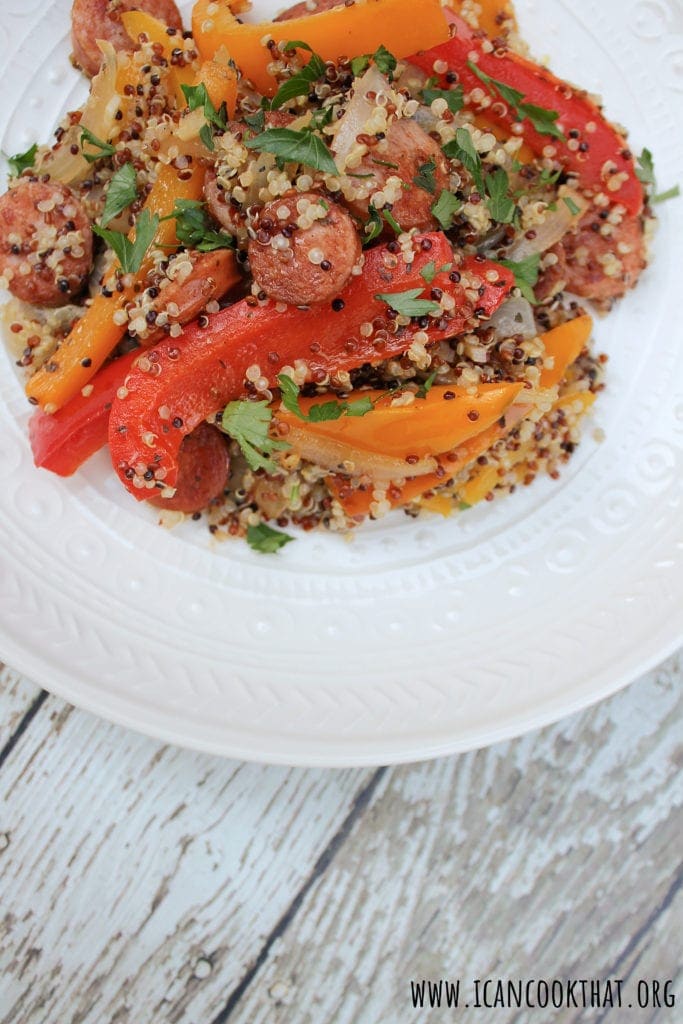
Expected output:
(556, 855)
(17, 694)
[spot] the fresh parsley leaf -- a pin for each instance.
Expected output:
(300, 83)
(445, 209)
(385, 62)
(359, 65)
(22, 161)
(541, 119)
(453, 97)
(670, 193)
(463, 506)
(131, 254)
(322, 411)
(104, 148)
(194, 230)
(408, 304)
(425, 177)
(121, 193)
(392, 222)
(500, 206)
(462, 148)
(206, 136)
(526, 274)
(426, 387)
(645, 171)
(248, 423)
(428, 272)
(257, 121)
(571, 205)
(385, 163)
(373, 227)
(265, 539)
(198, 99)
(297, 147)
(547, 177)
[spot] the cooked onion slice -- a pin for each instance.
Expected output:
(553, 229)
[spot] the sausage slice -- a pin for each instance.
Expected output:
(101, 19)
(203, 465)
(45, 242)
(305, 249)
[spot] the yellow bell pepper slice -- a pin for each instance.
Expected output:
(342, 31)
(564, 344)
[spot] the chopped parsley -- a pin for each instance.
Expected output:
(425, 178)
(571, 205)
(392, 222)
(373, 227)
(104, 149)
(193, 227)
(500, 206)
(265, 539)
(323, 411)
(384, 61)
(122, 191)
(462, 148)
(198, 99)
(645, 172)
(445, 209)
(408, 303)
(541, 119)
(426, 387)
(453, 97)
(248, 423)
(302, 147)
(300, 83)
(430, 270)
(22, 161)
(257, 121)
(526, 274)
(131, 254)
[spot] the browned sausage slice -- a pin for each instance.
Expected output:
(45, 242)
(306, 7)
(203, 465)
(212, 275)
(220, 207)
(408, 149)
(101, 19)
(596, 266)
(304, 250)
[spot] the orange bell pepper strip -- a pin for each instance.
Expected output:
(565, 344)
(219, 75)
(342, 31)
(446, 417)
(95, 335)
(495, 17)
(139, 23)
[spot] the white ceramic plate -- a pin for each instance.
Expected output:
(409, 639)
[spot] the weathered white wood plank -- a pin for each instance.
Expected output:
(552, 856)
(17, 694)
(141, 881)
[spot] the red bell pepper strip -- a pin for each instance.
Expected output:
(61, 442)
(182, 381)
(593, 149)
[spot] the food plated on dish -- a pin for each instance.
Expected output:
(307, 271)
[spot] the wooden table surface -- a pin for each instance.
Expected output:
(141, 883)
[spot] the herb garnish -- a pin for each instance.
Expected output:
(300, 83)
(198, 99)
(526, 274)
(462, 148)
(541, 119)
(453, 97)
(571, 205)
(194, 230)
(500, 206)
(430, 270)
(121, 193)
(426, 387)
(265, 539)
(384, 61)
(248, 423)
(22, 161)
(131, 254)
(425, 178)
(408, 304)
(323, 411)
(645, 172)
(302, 147)
(445, 209)
(104, 148)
